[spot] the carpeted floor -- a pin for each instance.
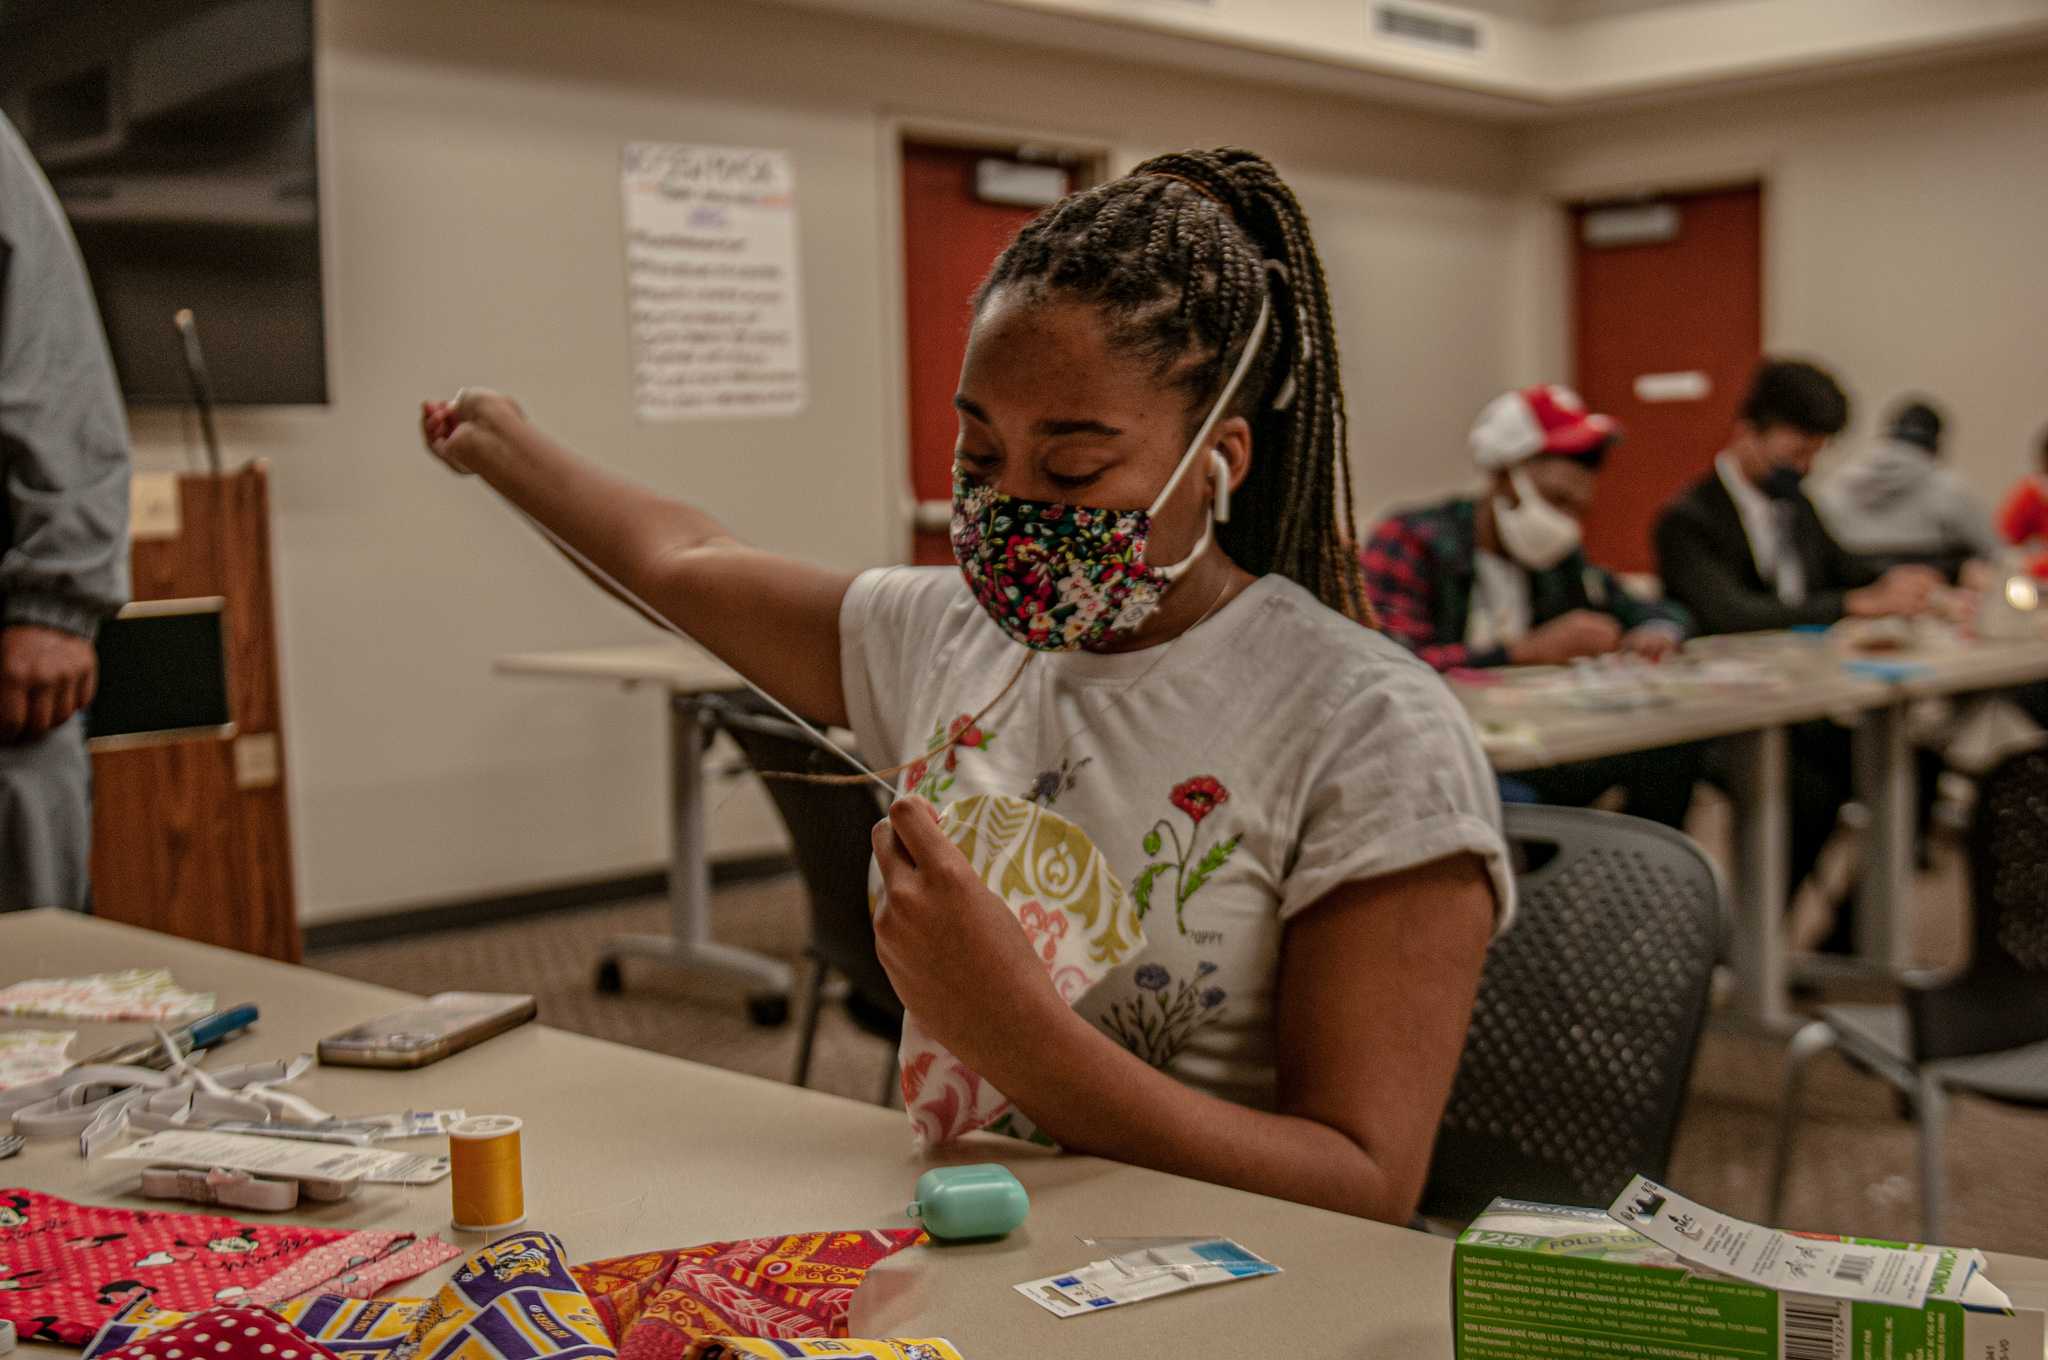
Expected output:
(1855, 1172)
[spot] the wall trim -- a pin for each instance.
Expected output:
(498, 908)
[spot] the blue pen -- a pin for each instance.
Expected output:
(221, 1026)
(204, 1033)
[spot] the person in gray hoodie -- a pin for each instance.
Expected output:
(63, 536)
(1896, 502)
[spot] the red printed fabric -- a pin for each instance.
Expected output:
(225, 1334)
(66, 1268)
(776, 1288)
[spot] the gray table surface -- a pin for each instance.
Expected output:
(629, 1151)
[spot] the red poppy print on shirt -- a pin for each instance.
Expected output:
(1200, 796)
(1195, 798)
(931, 775)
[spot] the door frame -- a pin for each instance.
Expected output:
(1569, 215)
(1563, 192)
(1090, 158)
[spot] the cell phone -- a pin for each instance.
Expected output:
(445, 1023)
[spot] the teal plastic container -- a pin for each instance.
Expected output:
(961, 1203)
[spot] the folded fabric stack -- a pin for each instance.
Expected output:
(740, 1348)
(514, 1300)
(134, 996)
(519, 1299)
(656, 1305)
(66, 1269)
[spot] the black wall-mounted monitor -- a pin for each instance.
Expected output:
(180, 138)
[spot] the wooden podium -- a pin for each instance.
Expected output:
(191, 834)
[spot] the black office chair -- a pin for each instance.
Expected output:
(829, 827)
(1588, 1016)
(1984, 1029)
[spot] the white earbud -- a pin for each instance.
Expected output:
(1220, 468)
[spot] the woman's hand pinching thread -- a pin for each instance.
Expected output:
(465, 432)
(952, 948)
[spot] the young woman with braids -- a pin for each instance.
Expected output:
(1151, 497)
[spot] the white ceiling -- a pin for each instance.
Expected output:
(1540, 59)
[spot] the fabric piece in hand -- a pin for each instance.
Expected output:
(513, 1300)
(139, 995)
(658, 1304)
(222, 1334)
(65, 1268)
(1079, 919)
(28, 1055)
(743, 1348)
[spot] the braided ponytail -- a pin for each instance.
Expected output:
(1180, 254)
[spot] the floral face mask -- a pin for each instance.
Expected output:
(1057, 577)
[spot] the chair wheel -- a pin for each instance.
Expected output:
(611, 980)
(768, 1009)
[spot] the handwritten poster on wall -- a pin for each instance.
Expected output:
(711, 282)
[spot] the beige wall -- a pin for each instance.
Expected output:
(472, 209)
(1904, 232)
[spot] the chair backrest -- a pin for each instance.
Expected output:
(2000, 1000)
(1588, 1016)
(829, 827)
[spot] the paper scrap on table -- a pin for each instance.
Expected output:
(1148, 1273)
(28, 1055)
(360, 1131)
(415, 1123)
(1841, 1268)
(137, 995)
(286, 1158)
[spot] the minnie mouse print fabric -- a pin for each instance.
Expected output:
(66, 1268)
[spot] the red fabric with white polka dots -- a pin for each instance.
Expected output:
(66, 1268)
(226, 1334)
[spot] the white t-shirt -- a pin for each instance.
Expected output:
(1501, 608)
(1275, 752)
(1777, 561)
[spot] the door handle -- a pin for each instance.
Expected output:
(932, 517)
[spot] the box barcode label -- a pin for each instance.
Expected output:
(1813, 1329)
(1853, 1268)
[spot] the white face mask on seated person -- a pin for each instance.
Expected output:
(1535, 533)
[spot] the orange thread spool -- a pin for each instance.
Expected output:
(488, 1185)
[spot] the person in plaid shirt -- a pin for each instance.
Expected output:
(1500, 580)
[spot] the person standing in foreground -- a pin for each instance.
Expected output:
(1501, 579)
(63, 537)
(1744, 550)
(1155, 624)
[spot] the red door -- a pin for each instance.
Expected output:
(1665, 334)
(950, 238)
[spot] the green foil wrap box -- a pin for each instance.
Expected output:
(1544, 1282)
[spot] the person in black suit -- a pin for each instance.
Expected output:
(1743, 550)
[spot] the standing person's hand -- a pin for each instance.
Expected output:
(1566, 638)
(465, 432)
(46, 675)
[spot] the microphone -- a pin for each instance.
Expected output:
(202, 385)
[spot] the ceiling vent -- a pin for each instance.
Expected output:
(1438, 30)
